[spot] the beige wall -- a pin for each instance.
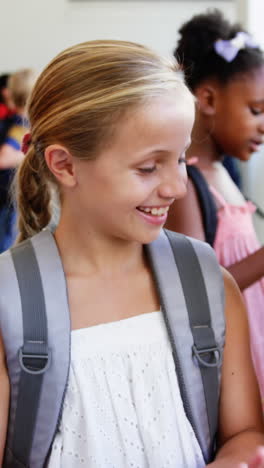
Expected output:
(35, 30)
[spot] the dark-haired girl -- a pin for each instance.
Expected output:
(224, 67)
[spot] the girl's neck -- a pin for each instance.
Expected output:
(85, 252)
(203, 146)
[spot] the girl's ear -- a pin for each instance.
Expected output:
(61, 163)
(206, 96)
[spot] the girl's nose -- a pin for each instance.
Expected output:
(174, 186)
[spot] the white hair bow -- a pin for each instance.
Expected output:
(228, 49)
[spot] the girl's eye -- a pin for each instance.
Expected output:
(147, 170)
(256, 111)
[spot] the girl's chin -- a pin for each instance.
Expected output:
(149, 237)
(244, 157)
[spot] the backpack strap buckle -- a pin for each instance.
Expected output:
(213, 356)
(34, 363)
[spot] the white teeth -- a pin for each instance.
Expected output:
(155, 211)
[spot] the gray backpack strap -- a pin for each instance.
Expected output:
(205, 349)
(182, 268)
(38, 359)
(34, 355)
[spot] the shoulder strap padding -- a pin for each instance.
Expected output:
(58, 318)
(176, 316)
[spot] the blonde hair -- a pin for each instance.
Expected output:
(76, 101)
(20, 85)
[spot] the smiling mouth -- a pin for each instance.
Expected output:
(155, 211)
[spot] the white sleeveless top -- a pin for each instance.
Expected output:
(122, 406)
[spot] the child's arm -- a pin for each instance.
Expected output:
(10, 154)
(248, 270)
(185, 216)
(241, 428)
(4, 401)
(9, 157)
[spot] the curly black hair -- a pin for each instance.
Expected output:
(195, 50)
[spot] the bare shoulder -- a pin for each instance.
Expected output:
(235, 314)
(232, 290)
(185, 215)
(240, 406)
(235, 308)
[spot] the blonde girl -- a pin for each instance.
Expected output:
(110, 123)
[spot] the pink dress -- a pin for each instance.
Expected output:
(236, 239)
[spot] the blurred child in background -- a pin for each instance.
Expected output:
(19, 86)
(224, 67)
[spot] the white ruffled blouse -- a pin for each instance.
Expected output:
(122, 407)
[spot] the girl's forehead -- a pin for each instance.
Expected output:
(156, 110)
(160, 112)
(247, 85)
(163, 126)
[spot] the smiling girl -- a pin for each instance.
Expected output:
(110, 124)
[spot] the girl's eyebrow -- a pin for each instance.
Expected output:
(150, 154)
(160, 151)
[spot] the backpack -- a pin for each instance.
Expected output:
(206, 203)
(35, 325)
